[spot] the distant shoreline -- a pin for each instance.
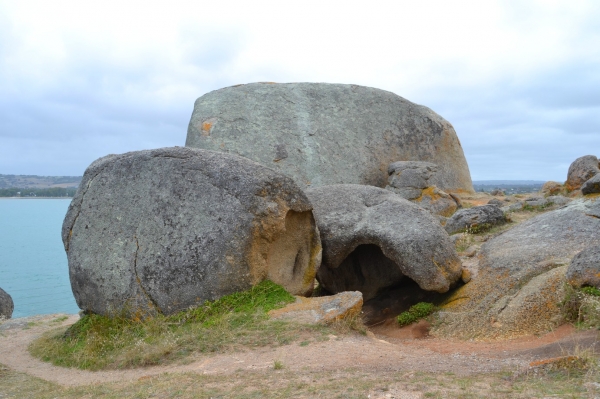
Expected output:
(34, 198)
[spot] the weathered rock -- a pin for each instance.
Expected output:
(558, 200)
(520, 271)
(411, 180)
(323, 134)
(580, 171)
(6, 305)
(478, 217)
(321, 310)
(539, 202)
(373, 239)
(591, 186)
(517, 206)
(552, 188)
(585, 268)
(496, 202)
(162, 230)
(496, 192)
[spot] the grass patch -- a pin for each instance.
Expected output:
(416, 312)
(582, 306)
(238, 320)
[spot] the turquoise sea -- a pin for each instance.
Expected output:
(33, 263)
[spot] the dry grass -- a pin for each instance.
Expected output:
(279, 382)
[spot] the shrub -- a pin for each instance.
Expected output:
(416, 312)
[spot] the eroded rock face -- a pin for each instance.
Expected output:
(585, 268)
(580, 171)
(6, 305)
(520, 274)
(476, 218)
(323, 134)
(373, 239)
(162, 230)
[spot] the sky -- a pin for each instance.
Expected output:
(518, 80)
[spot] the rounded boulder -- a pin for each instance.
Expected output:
(161, 230)
(580, 171)
(323, 134)
(373, 239)
(6, 305)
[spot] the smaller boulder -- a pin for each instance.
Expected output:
(592, 186)
(580, 171)
(537, 202)
(558, 200)
(410, 180)
(478, 217)
(321, 310)
(552, 188)
(585, 268)
(6, 305)
(497, 191)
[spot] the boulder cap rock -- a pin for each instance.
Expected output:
(581, 170)
(585, 268)
(6, 305)
(162, 230)
(373, 238)
(478, 216)
(591, 186)
(509, 262)
(321, 310)
(323, 134)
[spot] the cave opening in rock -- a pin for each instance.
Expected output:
(387, 292)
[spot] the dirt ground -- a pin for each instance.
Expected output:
(385, 347)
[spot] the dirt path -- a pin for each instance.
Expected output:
(389, 349)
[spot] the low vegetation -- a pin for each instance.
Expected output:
(582, 306)
(415, 313)
(233, 322)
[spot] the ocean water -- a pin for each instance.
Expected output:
(33, 263)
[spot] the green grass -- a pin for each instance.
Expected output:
(233, 322)
(416, 312)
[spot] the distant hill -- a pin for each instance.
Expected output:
(508, 182)
(509, 186)
(32, 181)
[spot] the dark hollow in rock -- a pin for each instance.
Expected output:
(6, 305)
(162, 230)
(363, 270)
(322, 134)
(373, 238)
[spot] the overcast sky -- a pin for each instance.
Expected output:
(519, 80)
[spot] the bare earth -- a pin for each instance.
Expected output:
(384, 348)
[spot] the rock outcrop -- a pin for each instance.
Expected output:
(591, 186)
(161, 230)
(552, 188)
(585, 268)
(323, 134)
(374, 239)
(580, 171)
(6, 305)
(521, 273)
(411, 181)
(321, 310)
(477, 218)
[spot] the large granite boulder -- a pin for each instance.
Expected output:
(165, 229)
(591, 186)
(411, 180)
(585, 268)
(6, 305)
(477, 218)
(323, 134)
(580, 171)
(519, 281)
(374, 239)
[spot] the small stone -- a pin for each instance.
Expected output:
(323, 309)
